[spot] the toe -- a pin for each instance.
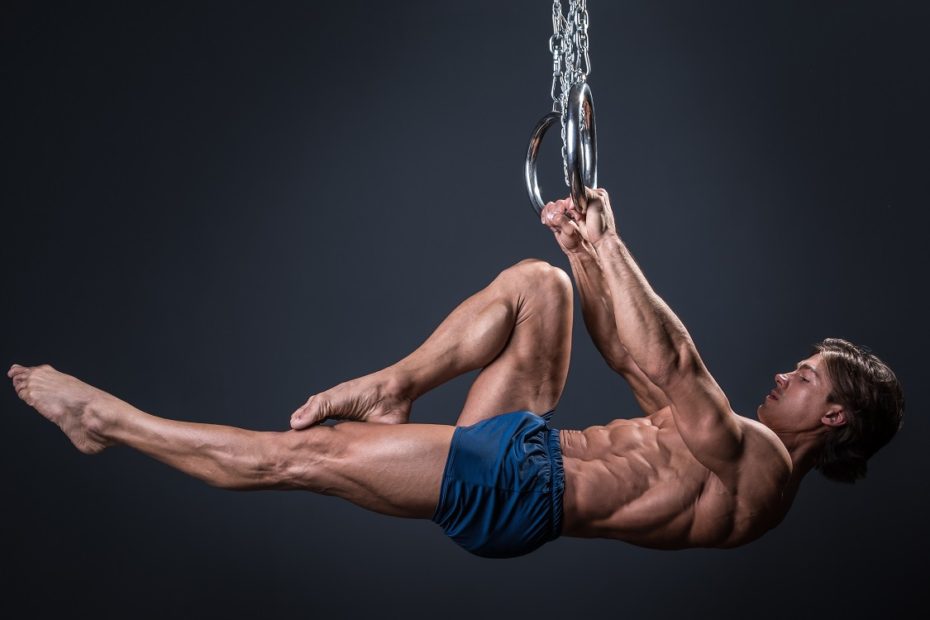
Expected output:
(300, 422)
(310, 414)
(297, 415)
(300, 418)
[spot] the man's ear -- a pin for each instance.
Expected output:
(835, 417)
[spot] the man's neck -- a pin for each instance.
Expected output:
(804, 448)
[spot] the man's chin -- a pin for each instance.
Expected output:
(762, 414)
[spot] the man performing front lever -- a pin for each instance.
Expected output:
(690, 473)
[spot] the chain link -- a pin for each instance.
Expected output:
(571, 63)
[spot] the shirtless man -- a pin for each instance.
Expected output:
(690, 473)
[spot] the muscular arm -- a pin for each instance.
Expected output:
(654, 336)
(659, 344)
(597, 305)
(597, 309)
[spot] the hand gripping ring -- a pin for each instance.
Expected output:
(581, 147)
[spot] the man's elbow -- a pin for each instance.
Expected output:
(681, 362)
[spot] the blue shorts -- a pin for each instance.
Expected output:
(502, 486)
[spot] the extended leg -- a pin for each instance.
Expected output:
(392, 469)
(518, 329)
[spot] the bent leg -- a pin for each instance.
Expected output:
(517, 329)
(391, 469)
(531, 369)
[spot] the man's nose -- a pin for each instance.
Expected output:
(781, 379)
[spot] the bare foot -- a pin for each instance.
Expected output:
(65, 401)
(377, 397)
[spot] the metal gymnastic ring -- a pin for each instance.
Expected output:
(529, 170)
(581, 147)
(581, 142)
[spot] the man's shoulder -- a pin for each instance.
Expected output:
(764, 456)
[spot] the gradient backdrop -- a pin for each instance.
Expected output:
(213, 210)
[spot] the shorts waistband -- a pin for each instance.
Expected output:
(554, 448)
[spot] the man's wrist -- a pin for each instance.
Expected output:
(610, 239)
(583, 253)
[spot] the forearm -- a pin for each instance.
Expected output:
(597, 309)
(655, 338)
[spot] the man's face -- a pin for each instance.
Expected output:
(799, 400)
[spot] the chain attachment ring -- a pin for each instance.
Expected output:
(572, 106)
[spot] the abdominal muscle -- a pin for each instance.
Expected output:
(636, 480)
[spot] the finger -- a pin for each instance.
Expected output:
(597, 193)
(570, 228)
(580, 209)
(563, 226)
(553, 216)
(544, 214)
(594, 192)
(552, 210)
(574, 212)
(570, 211)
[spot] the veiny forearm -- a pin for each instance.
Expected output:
(597, 309)
(655, 338)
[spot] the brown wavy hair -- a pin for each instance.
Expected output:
(874, 402)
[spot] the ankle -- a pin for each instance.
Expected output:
(100, 416)
(401, 382)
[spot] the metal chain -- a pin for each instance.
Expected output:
(571, 63)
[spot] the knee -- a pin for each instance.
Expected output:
(304, 459)
(537, 278)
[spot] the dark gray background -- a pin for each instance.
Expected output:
(213, 210)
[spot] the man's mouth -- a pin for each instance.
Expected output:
(772, 395)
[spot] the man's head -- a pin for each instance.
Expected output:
(846, 395)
